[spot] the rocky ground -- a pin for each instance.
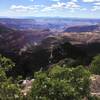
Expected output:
(95, 85)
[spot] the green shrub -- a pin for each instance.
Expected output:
(8, 89)
(95, 65)
(61, 84)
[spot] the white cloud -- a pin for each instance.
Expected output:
(32, 0)
(55, 0)
(91, 1)
(60, 5)
(72, 5)
(95, 8)
(56, 6)
(46, 9)
(21, 8)
(74, 0)
(97, 3)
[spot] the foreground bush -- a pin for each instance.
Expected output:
(61, 84)
(8, 89)
(95, 65)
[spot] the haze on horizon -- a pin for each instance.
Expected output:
(50, 8)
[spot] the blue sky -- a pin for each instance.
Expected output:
(50, 8)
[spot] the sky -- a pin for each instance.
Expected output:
(50, 8)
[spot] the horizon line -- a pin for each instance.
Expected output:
(31, 17)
